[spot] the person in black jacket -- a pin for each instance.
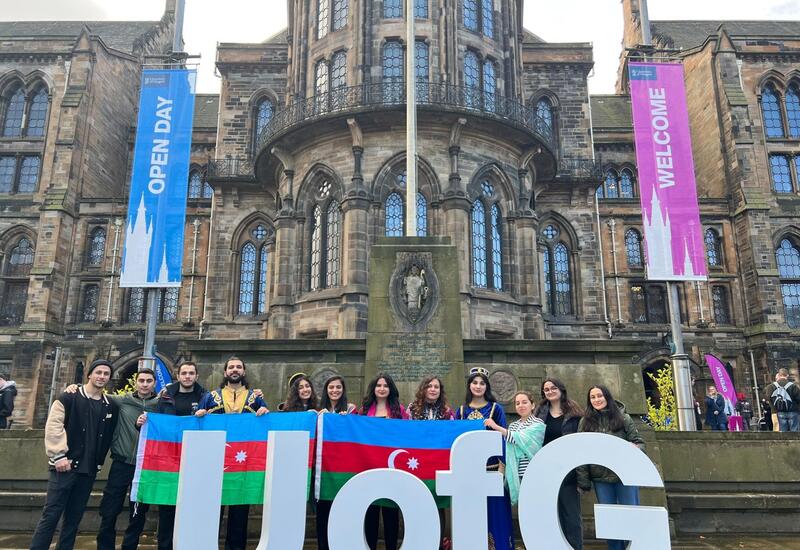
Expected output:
(78, 435)
(8, 391)
(180, 398)
(561, 416)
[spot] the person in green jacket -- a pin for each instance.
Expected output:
(605, 415)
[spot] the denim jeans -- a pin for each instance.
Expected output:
(789, 421)
(616, 493)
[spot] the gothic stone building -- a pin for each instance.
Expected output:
(299, 168)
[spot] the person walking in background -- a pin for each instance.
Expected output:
(745, 410)
(784, 396)
(716, 419)
(77, 436)
(8, 391)
(234, 397)
(382, 400)
(605, 415)
(480, 404)
(561, 416)
(181, 398)
(765, 423)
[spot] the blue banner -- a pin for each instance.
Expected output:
(163, 376)
(153, 253)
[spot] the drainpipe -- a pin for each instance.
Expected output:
(612, 225)
(755, 382)
(117, 226)
(208, 267)
(700, 301)
(196, 224)
(602, 268)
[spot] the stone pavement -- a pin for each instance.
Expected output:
(9, 541)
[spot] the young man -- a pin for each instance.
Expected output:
(180, 398)
(78, 435)
(132, 408)
(784, 397)
(234, 397)
(8, 391)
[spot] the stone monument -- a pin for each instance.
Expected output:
(414, 317)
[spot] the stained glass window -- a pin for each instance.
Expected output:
(722, 313)
(195, 184)
(332, 237)
(562, 279)
(37, 114)
(262, 279)
(339, 14)
(20, 259)
(793, 110)
(91, 297)
(488, 18)
(392, 71)
(713, 248)
(544, 115)
(626, 190)
(264, 113)
(323, 9)
(633, 248)
(97, 246)
(422, 215)
(472, 79)
(771, 111)
(15, 113)
(394, 215)
(788, 257)
(316, 248)
(338, 79)
(612, 186)
(8, 169)
(550, 232)
(781, 175)
(497, 249)
(489, 86)
(421, 70)
(421, 9)
(471, 14)
(168, 311)
(479, 268)
(392, 8)
(29, 174)
(321, 85)
(247, 279)
(136, 305)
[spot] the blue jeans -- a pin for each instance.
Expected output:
(616, 493)
(789, 421)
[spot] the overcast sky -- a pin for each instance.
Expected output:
(212, 21)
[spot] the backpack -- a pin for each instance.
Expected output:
(781, 400)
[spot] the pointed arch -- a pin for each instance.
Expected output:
(384, 181)
(560, 269)
(307, 193)
(252, 244)
(494, 172)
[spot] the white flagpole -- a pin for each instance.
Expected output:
(411, 123)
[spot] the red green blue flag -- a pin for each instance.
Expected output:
(350, 444)
(159, 453)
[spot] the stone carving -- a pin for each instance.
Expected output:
(504, 385)
(414, 290)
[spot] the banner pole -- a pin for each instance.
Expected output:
(411, 122)
(681, 373)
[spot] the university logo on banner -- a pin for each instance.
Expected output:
(673, 234)
(153, 253)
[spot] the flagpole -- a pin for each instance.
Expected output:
(411, 123)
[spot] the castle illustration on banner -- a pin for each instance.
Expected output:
(658, 240)
(138, 242)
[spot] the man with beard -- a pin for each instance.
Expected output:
(181, 398)
(234, 397)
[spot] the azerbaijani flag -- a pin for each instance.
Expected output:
(158, 457)
(351, 444)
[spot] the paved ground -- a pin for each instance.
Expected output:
(20, 542)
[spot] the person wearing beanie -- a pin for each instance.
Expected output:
(78, 434)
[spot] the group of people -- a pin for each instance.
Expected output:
(85, 423)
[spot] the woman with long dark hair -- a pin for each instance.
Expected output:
(480, 404)
(382, 400)
(334, 396)
(561, 416)
(430, 401)
(605, 415)
(301, 396)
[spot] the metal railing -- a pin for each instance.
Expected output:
(240, 167)
(392, 94)
(580, 169)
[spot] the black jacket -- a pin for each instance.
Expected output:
(65, 433)
(7, 395)
(166, 403)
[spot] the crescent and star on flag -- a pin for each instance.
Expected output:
(411, 464)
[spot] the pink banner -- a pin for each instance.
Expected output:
(673, 235)
(721, 378)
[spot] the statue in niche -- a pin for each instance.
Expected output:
(415, 289)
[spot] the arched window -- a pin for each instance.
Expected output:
(489, 86)
(421, 9)
(771, 111)
(323, 16)
(253, 264)
(487, 242)
(199, 187)
(16, 271)
(633, 248)
(339, 14)
(392, 64)
(626, 190)
(392, 8)
(788, 258)
(557, 272)
(325, 231)
(37, 114)
(544, 116)
(394, 215)
(263, 115)
(781, 174)
(14, 114)
(611, 184)
(722, 311)
(96, 249)
(487, 23)
(617, 185)
(793, 110)
(471, 14)
(713, 248)
(91, 298)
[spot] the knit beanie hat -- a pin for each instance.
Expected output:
(99, 363)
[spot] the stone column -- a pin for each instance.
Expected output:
(284, 284)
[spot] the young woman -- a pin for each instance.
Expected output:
(479, 404)
(604, 414)
(301, 396)
(524, 438)
(334, 397)
(382, 401)
(430, 402)
(561, 416)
